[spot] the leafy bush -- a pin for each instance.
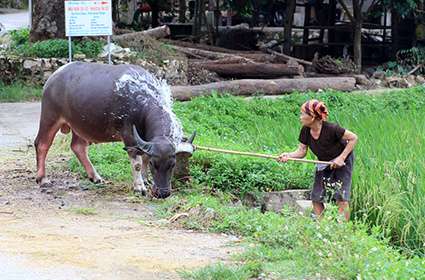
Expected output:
(20, 36)
(89, 48)
(51, 48)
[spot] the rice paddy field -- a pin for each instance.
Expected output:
(388, 195)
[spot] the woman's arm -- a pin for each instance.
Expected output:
(299, 153)
(351, 139)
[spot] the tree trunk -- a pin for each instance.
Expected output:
(48, 20)
(357, 44)
(287, 33)
(115, 11)
(254, 70)
(131, 4)
(272, 87)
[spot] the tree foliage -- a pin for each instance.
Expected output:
(403, 7)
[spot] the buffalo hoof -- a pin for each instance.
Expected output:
(97, 180)
(46, 190)
(140, 192)
(44, 183)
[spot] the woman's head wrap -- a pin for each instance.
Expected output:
(316, 109)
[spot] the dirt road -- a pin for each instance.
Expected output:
(18, 124)
(77, 231)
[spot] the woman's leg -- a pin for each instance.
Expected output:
(342, 195)
(318, 208)
(344, 209)
(318, 194)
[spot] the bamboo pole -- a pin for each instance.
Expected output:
(209, 149)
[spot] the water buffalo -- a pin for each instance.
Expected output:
(106, 103)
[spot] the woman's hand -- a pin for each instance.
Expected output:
(299, 153)
(283, 157)
(338, 163)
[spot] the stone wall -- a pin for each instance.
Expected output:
(38, 70)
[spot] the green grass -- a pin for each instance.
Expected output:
(291, 246)
(220, 272)
(19, 92)
(388, 181)
(84, 211)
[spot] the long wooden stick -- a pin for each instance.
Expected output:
(287, 57)
(258, 155)
(415, 69)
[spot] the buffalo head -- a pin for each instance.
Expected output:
(162, 160)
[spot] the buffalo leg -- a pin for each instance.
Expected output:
(80, 147)
(145, 163)
(138, 168)
(42, 143)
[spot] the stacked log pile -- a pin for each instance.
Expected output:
(242, 65)
(250, 72)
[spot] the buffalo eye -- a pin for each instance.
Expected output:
(154, 165)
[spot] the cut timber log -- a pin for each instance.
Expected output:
(253, 55)
(157, 33)
(198, 46)
(254, 70)
(231, 60)
(262, 57)
(250, 87)
(214, 53)
(206, 54)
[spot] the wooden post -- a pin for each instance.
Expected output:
(210, 21)
(331, 22)
(217, 16)
(182, 11)
(395, 20)
(196, 20)
(287, 33)
(384, 34)
(306, 31)
(357, 29)
(322, 30)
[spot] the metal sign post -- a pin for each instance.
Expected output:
(69, 49)
(30, 13)
(109, 50)
(88, 18)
